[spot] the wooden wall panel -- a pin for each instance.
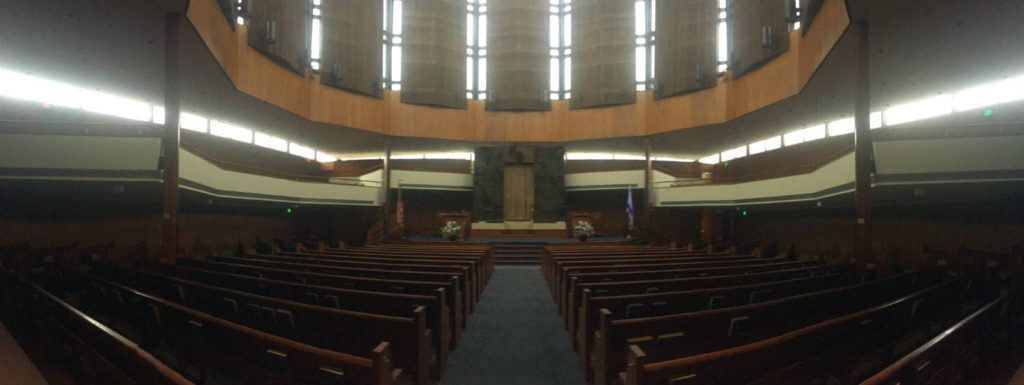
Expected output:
(687, 34)
(809, 9)
(434, 54)
(228, 8)
(517, 55)
(290, 46)
(748, 20)
(603, 59)
(256, 75)
(351, 51)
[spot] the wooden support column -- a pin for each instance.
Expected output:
(386, 183)
(170, 139)
(648, 191)
(863, 149)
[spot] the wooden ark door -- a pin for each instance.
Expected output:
(518, 192)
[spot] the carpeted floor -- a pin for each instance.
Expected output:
(515, 336)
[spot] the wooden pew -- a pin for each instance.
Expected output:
(336, 330)
(693, 283)
(941, 359)
(672, 302)
(436, 312)
(550, 259)
(830, 344)
(473, 285)
(473, 265)
(458, 284)
(453, 297)
(478, 260)
(484, 254)
(562, 265)
(565, 274)
(573, 293)
(214, 343)
(704, 331)
(106, 356)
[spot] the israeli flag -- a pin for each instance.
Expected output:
(629, 207)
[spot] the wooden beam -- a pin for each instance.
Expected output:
(648, 194)
(386, 183)
(171, 138)
(863, 151)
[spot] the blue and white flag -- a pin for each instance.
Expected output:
(629, 208)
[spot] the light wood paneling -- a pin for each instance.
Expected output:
(780, 78)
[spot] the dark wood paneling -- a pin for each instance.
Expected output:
(517, 55)
(748, 18)
(787, 161)
(291, 45)
(603, 59)
(421, 208)
(351, 52)
(433, 53)
(610, 206)
(687, 35)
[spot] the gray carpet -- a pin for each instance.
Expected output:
(514, 336)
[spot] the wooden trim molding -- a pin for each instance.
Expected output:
(262, 78)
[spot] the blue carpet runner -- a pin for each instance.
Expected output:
(515, 336)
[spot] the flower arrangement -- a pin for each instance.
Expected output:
(451, 230)
(583, 230)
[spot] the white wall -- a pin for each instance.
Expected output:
(950, 155)
(79, 152)
(604, 180)
(429, 180)
(210, 179)
(814, 185)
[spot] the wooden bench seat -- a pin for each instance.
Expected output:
(811, 353)
(474, 266)
(561, 266)
(333, 329)
(209, 341)
(566, 273)
(704, 331)
(460, 284)
(451, 291)
(478, 261)
(473, 285)
(438, 311)
(942, 359)
(105, 355)
(693, 283)
(572, 293)
(672, 302)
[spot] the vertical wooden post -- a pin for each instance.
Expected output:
(648, 191)
(386, 183)
(863, 151)
(171, 138)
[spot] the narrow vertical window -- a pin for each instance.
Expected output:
(315, 37)
(392, 42)
(476, 49)
(723, 37)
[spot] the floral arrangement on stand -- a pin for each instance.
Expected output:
(583, 230)
(451, 230)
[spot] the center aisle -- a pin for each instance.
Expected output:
(515, 336)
